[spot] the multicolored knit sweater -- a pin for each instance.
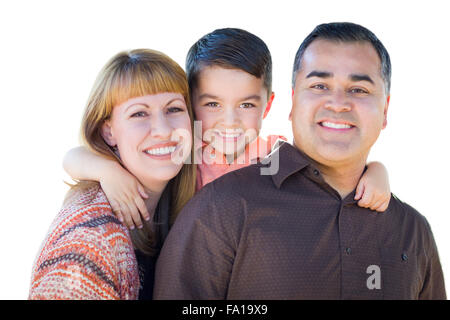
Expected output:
(87, 253)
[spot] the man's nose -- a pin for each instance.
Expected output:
(338, 102)
(160, 126)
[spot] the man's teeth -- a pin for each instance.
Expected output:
(335, 125)
(161, 151)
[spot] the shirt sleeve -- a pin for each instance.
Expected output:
(433, 285)
(197, 257)
(82, 265)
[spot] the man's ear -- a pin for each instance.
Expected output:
(290, 113)
(386, 107)
(106, 132)
(269, 104)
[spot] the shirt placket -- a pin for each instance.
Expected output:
(354, 258)
(347, 251)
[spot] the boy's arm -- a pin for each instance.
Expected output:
(123, 190)
(81, 164)
(373, 190)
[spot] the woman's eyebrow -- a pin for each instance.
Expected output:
(174, 99)
(137, 104)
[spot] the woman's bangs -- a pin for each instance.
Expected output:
(142, 80)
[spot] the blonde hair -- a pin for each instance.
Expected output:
(127, 75)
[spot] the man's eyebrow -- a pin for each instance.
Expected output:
(361, 77)
(319, 74)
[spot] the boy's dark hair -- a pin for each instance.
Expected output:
(230, 48)
(346, 32)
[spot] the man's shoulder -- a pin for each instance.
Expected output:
(401, 213)
(405, 210)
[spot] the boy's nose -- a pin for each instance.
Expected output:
(229, 118)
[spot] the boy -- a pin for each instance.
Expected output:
(230, 78)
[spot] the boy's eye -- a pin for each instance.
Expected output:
(212, 104)
(247, 105)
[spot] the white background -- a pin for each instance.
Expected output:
(51, 51)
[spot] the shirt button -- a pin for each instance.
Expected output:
(404, 256)
(348, 250)
(316, 172)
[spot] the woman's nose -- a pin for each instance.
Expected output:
(160, 126)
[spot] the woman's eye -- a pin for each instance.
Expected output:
(175, 109)
(139, 114)
(247, 105)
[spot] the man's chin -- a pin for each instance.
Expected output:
(330, 152)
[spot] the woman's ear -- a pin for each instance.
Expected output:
(107, 134)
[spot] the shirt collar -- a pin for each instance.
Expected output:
(291, 160)
(257, 149)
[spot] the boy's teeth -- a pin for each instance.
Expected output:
(161, 151)
(335, 125)
(230, 135)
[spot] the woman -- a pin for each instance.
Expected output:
(139, 115)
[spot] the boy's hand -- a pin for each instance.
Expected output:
(373, 190)
(125, 194)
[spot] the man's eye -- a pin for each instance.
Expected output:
(319, 86)
(212, 104)
(139, 114)
(358, 90)
(247, 105)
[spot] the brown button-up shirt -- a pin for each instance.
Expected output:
(291, 236)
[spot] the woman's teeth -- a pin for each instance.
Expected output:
(161, 151)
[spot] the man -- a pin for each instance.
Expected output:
(299, 234)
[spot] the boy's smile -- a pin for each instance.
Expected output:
(231, 104)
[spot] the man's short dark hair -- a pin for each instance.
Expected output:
(346, 32)
(230, 48)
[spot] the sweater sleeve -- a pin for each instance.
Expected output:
(83, 266)
(87, 255)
